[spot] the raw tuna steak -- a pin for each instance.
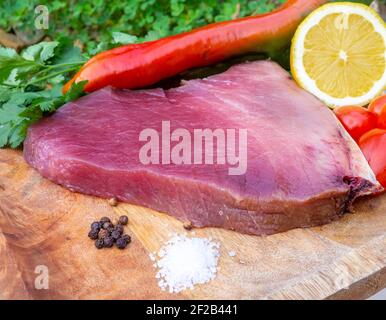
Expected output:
(302, 169)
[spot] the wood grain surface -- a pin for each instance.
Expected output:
(42, 224)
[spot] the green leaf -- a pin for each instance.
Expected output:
(10, 61)
(47, 105)
(18, 134)
(66, 52)
(20, 98)
(102, 46)
(9, 112)
(57, 79)
(5, 130)
(7, 53)
(40, 52)
(50, 101)
(123, 38)
(76, 91)
(24, 96)
(177, 7)
(32, 113)
(5, 94)
(12, 79)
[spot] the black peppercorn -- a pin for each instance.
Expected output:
(123, 220)
(99, 243)
(93, 234)
(108, 241)
(95, 225)
(121, 243)
(107, 225)
(119, 228)
(116, 234)
(126, 237)
(103, 233)
(104, 219)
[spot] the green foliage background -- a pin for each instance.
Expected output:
(93, 21)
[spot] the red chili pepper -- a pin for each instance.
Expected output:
(139, 65)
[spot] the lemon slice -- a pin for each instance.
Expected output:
(338, 54)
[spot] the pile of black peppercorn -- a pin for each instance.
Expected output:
(105, 233)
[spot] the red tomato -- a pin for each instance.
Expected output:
(356, 120)
(378, 105)
(373, 146)
(382, 120)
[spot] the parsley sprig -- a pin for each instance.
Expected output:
(31, 82)
(30, 85)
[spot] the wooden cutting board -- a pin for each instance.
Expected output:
(42, 224)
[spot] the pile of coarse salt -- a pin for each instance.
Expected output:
(183, 262)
